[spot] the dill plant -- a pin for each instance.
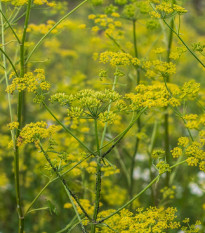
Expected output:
(85, 133)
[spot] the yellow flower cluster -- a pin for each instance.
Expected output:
(118, 59)
(34, 132)
(153, 96)
(163, 167)
(86, 205)
(179, 9)
(158, 153)
(193, 150)
(90, 166)
(155, 14)
(191, 228)
(37, 2)
(159, 50)
(155, 219)
(176, 152)
(106, 169)
(61, 98)
(30, 82)
(88, 103)
(168, 192)
(109, 170)
(183, 141)
(75, 112)
(166, 8)
(177, 52)
(159, 68)
(195, 121)
(121, 105)
(109, 24)
(158, 95)
(44, 28)
(190, 90)
(107, 117)
(13, 125)
(41, 2)
(196, 155)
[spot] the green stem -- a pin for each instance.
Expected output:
(172, 176)
(51, 181)
(54, 26)
(193, 54)
(98, 182)
(36, 198)
(39, 209)
(116, 138)
(75, 209)
(19, 114)
(138, 120)
(135, 48)
(166, 116)
(115, 42)
(119, 46)
(178, 163)
(67, 130)
(63, 181)
(66, 228)
(150, 150)
(10, 61)
(9, 26)
(97, 194)
(6, 74)
(75, 225)
(123, 166)
(109, 107)
(124, 133)
(96, 136)
(181, 116)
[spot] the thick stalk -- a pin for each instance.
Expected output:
(132, 166)
(98, 181)
(150, 150)
(5, 72)
(136, 49)
(19, 115)
(166, 116)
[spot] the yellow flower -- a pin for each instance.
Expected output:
(30, 82)
(13, 125)
(34, 132)
(67, 205)
(92, 16)
(82, 26)
(176, 152)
